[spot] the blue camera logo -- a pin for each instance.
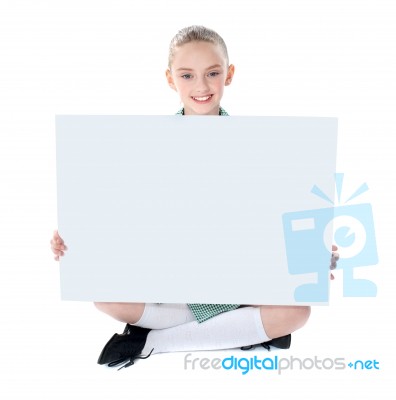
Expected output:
(309, 236)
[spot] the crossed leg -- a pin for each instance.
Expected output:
(276, 321)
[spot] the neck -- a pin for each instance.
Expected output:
(215, 111)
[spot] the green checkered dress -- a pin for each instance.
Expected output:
(203, 312)
(221, 111)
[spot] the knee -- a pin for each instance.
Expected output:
(98, 304)
(107, 308)
(104, 307)
(283, 320)
(123, 312)
(302, 315)
(297, 317)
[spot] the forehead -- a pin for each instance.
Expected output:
(198, 55)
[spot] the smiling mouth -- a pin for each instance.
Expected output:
(202, 99)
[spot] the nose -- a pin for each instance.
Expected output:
(202, 85)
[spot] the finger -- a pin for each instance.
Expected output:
(59, 254)
(58, 250)
(333, 260)
(55, 241)
(57, 247)
(331, 277)
(334, 247)
(57, 238)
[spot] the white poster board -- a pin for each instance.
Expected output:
(195, 209)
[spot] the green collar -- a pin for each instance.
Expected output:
(221, 111)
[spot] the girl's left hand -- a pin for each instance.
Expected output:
(334, 258)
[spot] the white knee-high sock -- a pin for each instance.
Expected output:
(237, 328)
(160, 316)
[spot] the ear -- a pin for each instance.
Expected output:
(169, 78)
(230, 74)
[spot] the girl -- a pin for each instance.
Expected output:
(198, 70)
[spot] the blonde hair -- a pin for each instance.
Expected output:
(195, 33)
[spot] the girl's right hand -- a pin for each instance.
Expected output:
(58, 246)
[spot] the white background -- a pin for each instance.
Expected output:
(302, 58)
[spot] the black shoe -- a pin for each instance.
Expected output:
(282, 342)
(125, 347)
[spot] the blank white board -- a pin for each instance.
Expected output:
(195, 209)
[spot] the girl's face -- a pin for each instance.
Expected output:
(199, 73)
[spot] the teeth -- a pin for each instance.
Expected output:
(202, 98)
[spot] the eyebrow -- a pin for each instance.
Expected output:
(190, 69)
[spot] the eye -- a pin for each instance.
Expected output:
(186, 76)
(213, 73)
